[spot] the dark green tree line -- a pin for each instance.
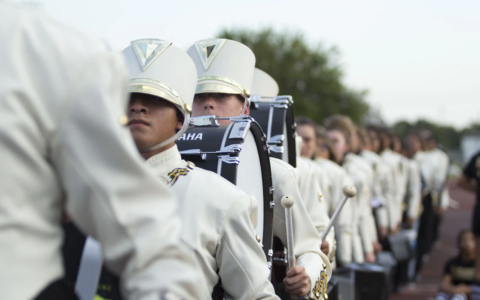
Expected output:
(311, 75)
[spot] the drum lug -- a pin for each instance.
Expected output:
(272, 204)
(231, 160)
(270, 252)
(277, 149)
(271, 190)
(278, 140)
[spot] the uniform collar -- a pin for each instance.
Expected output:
(165, 161)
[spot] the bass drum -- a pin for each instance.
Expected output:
(277, 119)
(238, 153)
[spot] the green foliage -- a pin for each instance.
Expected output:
(311, 75)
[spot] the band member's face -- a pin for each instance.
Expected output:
(386, 141)
(322, 149)
(339, 142)
(414, 144)
(309, 141)
(354, 143)
(467, 243)
(397, 145)
(374, 141)
(151, 120)
(218, 104)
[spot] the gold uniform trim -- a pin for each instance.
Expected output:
(158, 89)
(225, 85)
(173, 176)
(319, 290)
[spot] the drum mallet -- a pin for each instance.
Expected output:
(287, 203)
(348, 192)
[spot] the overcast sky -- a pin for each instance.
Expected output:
(418, 58)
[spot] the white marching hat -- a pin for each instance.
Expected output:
(223, 66)
(158, 68)
(264, 85)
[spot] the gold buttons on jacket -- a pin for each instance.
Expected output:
(258, 238)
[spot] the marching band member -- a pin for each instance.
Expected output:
(384, 180)
(346, 233)
(225, 72)
(309, 176)
(64, 147)
(434, 171)
(340, 130)
(393, 161)
(216, 221)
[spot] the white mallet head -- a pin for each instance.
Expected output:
(288, 201)
(349, 191)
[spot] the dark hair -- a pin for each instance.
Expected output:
(321, 134)
(304, 121)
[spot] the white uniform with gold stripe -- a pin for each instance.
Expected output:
(217, 226)
(62, 95)
(306, 239)
(349, 247)
(314, 199)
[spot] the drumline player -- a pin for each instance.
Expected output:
(310, 177)
(225, 71)
(217, 222)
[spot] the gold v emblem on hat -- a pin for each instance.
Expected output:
(208, 50)
(147, 50)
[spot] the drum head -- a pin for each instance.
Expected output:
(249, 178)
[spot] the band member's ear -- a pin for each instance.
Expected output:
(179, 125)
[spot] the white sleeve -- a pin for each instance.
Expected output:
(241, 261)
(110, 193)
(306, 240)
(415, 190)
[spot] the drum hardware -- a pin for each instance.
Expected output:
(204, 121)
(239, 153)
(224, 154)
(276, 117)
(348, 192)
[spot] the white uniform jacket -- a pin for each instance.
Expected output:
(362, 176)
(346, 233)
(414, 190)
(62, 96)
(434, 169)
(397, 187)
(217, 226)
(306, 240)
(314, 199)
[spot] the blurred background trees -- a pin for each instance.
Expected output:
(314, 77)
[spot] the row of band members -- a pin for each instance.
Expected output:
(217, 77)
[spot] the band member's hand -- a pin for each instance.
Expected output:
(370, 258)
(297, 283)
(409, 223)
(377, 248)
(383, 232)
(325, 247)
